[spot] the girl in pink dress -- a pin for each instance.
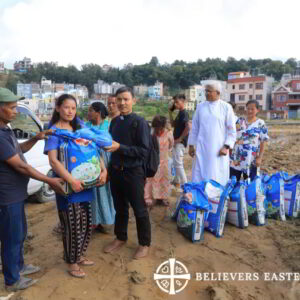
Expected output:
(157, 188)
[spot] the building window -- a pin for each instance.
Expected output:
(242, 97)
(298, 86)
(250, 97)
(259, 97)
(281, 98)
(242, 86)
(233, 86)
(259, 86)
(250, 85)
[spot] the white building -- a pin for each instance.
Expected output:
(102, 87)
(195, 93)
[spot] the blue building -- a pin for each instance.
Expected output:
(24, 90)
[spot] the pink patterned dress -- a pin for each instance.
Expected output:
(158, 187)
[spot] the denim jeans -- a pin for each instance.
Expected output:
(13, 231)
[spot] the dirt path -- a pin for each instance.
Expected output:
(256, 250)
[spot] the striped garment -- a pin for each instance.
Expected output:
(76, 224)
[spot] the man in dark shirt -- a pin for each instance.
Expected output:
(130, 150)
(14, 177)
(180, 133)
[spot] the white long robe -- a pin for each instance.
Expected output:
(213, 127)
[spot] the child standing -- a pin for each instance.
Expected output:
(157, 188)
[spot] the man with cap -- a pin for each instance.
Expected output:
(213, 133)
(14, 177)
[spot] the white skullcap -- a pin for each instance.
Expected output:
(216, 85)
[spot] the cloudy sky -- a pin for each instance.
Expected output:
(121, 31)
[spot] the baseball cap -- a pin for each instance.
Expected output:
(7, 96)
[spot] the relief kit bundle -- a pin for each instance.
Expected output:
(79, 153)
(191, 212)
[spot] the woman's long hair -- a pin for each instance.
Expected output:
(55, 116)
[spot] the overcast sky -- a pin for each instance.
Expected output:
(132, 31)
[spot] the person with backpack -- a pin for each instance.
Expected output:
(157, 188)
(130, 152)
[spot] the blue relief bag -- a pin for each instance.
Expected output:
(237, 206)
(79, 153)
(191, 211)
(274, 187)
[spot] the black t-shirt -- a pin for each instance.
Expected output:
(132, 133)
(13, 185)
(180, 123)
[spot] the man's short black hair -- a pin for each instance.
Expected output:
(179, 97)
(125, 89)
(253, 101)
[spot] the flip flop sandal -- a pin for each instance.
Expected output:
(86, 262)
(77, 273)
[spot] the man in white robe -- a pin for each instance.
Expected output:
(213, 133)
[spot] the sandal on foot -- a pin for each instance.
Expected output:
(77, 273)
(86, 262)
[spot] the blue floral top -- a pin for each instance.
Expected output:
(247, 146)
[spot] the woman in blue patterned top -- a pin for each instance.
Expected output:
(249, 148)
(103, 211)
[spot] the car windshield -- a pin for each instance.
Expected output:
(24, 126)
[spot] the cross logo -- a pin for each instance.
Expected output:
(172, 276)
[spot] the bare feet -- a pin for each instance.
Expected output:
(114, 246)
(141, 251)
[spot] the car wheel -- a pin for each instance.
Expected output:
(46, 194)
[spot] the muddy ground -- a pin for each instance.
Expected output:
(272, 248)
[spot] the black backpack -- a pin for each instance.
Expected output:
(153, 160)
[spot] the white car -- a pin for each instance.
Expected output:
(25, 126)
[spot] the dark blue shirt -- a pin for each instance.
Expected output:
(13, 185)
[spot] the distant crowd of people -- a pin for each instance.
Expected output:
(222, 145)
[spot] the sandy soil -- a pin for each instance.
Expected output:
(272, 248)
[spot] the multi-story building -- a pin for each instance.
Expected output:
(140, 90)
(46, 85)
(243, 87)
(286, 95)
(280, 95)
(22, 66)
(293, 102)
(24, 90)
(102, 87)
(156, 91)
(115, 86)
(195, 94)
(190, 105)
